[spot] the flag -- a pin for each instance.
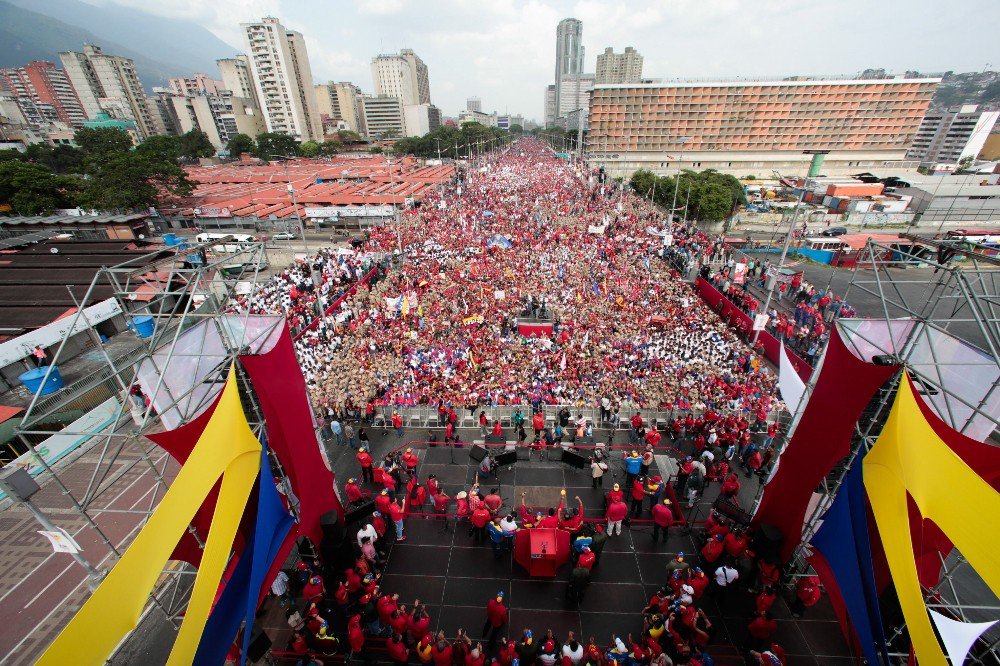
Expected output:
(597, 290)
(420, 310)
(647, 263)
(579, 298)
(472, 362)
(404, 306)
(562, 363)
(451, 288)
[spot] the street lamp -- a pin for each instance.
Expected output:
(295, 204)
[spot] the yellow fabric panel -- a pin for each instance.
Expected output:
(114, 608)
(236, 485)
(910, 457)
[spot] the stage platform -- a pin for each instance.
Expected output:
(455, 577)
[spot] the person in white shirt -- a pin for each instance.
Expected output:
(572, 649)
(279, 588)
(725, 578)
(367, 531)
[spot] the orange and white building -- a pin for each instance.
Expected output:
(754, 127)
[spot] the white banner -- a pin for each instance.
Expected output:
(790, 384)
(759, 322)
(52, 334)
(350, 211)
(61, 541)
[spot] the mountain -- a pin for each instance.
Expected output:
(162, 48)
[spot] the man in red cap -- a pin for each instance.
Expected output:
(663, 518)
(616, 513)
(366, 464)
(410, 460)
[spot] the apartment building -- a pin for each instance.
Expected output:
(238, 78)
(951, 135)
(383, 117)
(199, 84)
(401, 75)
(109, 84)
(623, 67)
(752, 127)
(279, 64)
(44, 93)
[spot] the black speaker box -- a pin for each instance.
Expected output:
(332, 530)
(505, 458)
(359, 511)
(767, 542)
(259, 644)
(477, 452)
(495, 439)
(574, 459)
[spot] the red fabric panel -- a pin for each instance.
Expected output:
(277, 380)
(772, 347)
(541, 330)
(179, 443)
(822, 438)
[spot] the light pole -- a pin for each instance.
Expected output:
(395, 210)
(295, 205)
(784, 250)
(438, 140)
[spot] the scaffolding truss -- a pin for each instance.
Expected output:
(942, 324)
(194, 287)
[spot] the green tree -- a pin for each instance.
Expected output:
(348, 137)
(271, 146)
(32, 189)
(161, 147)
(241, 143)
(515, 129)
(102, 142)
(309, 149)
(330, 147)
(133, 181)
(195, 144)
(714, 202)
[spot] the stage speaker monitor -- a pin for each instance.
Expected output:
(359, 511)
(495, 439)
(506, 458)
(477, 452)
(332, 530)
(575, 459)
(259, 644)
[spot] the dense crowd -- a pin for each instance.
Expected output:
(523, 235)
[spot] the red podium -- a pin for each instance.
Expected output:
(541, 551)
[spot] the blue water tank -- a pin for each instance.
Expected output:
(170, 239)
(32, 380)
(143, 326)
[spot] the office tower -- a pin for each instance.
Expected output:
(574, 100)
(401, 75)
(569, 51)
(752, 127)
(221, 116)
(279, 65)
(46, 90)
(340, 101)
(953, 134)
(237, 78)
(108, 83)
(474, 104)
(619, 67)
(199, 84)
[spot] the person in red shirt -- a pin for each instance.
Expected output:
(314, 590)
(807, 593)
(614, 495)
(496, 618)
(766, 599)
(497, 429)
(397, 423)
(476, 656)
(355, 636)
(441, 501)
(382, 501)
(365, 461)
(761, 627)
(698, 582)
(480, 517)
(768, 572)
(616, 513)
(663, 518)
(433, 487)
(353, 492)
(449, 432)
(653, 438)
(573, 520)
(586, 559)
(731, 486)
(385, 605)
(400, 620)
(419, 621)
(735, 543)
(396, 648)
(441, 651)
(462, 504)
(410, 459)
(396, 514)
(493, 501)
(538, 423)
(712, 550)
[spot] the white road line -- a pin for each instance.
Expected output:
(81, 529)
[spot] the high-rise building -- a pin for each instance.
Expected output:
(109, 84)
(473, 104)
(401, 75)
(279, 65)
(569, 51)
(420, 119)
(574, 100)
(199, 84)
(221, 116)
(383, 117)
(238, 78)
(340, 101)
(953, 134)
(550, 106)
(619, 67)
(752, 127)
(46, 90)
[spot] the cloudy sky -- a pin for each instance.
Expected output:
(503, 51)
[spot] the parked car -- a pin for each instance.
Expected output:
(835, 231)
(284, 235)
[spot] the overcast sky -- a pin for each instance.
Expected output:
(503, 51)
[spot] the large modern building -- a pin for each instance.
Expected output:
(420, 119)
(109, 84)
(341, 101)
(754, 127)
(279, 64)
(550, 106)
(44, 93)
(952, 135)
(401, 75)
(237, 77)
(474, 104)
(574, 100)
(220, 117)
(199, 84)
(619, 67)
(569, 52)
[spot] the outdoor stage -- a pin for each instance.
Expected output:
(455, 577)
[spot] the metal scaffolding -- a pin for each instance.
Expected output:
(942, 324)
(195, 285)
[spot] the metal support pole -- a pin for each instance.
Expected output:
(781, 260)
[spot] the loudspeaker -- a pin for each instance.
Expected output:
(359, 511)
(732, 511)
(335, 549)
(555, 453)
(477, 452)
(505, 458)
(767, 542)
(259, 644)
(574, 459)
(495, 439)
(332, 531)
